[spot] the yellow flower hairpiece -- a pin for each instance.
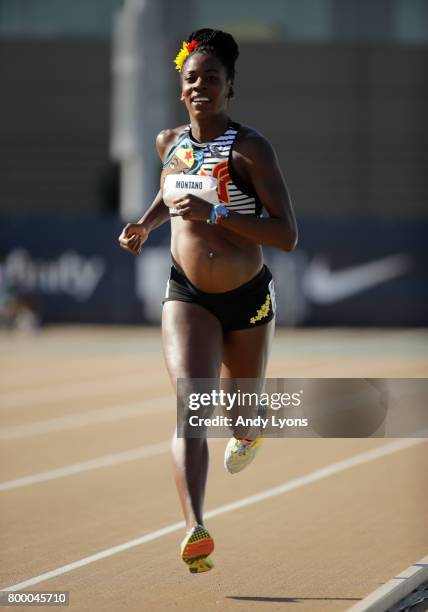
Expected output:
(183, 54)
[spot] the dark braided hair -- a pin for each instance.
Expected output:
(217, 43)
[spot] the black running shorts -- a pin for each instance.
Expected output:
(250, 305)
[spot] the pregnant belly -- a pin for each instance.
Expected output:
(210, 261)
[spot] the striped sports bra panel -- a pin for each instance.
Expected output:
(214, 158)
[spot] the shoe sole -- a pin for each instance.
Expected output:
(196, 551)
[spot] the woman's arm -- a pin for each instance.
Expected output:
(255, 155)
(156, 215)
(134, 235)
(256, 159)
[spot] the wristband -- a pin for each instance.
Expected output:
(218, 213)
(212, 218)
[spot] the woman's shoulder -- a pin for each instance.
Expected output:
(252, 144)
(167, 138)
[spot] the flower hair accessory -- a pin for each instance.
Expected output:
(184, 52)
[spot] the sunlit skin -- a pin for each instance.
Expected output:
(215, 258)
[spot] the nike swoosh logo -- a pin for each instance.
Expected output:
(325, 286)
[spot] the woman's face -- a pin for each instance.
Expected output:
(205, 87)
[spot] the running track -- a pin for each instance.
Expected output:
(88, 505)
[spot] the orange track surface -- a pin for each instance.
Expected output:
(72, 395)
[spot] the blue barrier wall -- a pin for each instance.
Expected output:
(342, 273)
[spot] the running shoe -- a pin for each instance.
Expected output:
(195, 548)
(240, 453)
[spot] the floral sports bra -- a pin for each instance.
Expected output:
(205, 169)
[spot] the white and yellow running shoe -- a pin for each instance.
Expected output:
(195, 548)
(240, 453)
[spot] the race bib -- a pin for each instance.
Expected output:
(178, 185)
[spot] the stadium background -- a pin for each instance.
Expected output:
(338, 86)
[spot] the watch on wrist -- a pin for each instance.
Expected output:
(218, 213)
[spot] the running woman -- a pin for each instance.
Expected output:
(219, 307)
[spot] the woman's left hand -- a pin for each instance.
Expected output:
(192, 208)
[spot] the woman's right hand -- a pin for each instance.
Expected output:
(132, 238)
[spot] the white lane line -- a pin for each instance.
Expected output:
(68, 374)
(395, 589)
(101, 415)
(286, 487)
(93, 464)
(74, 390)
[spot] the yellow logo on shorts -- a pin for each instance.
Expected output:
(262, 312)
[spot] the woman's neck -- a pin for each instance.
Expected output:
(207, 129)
